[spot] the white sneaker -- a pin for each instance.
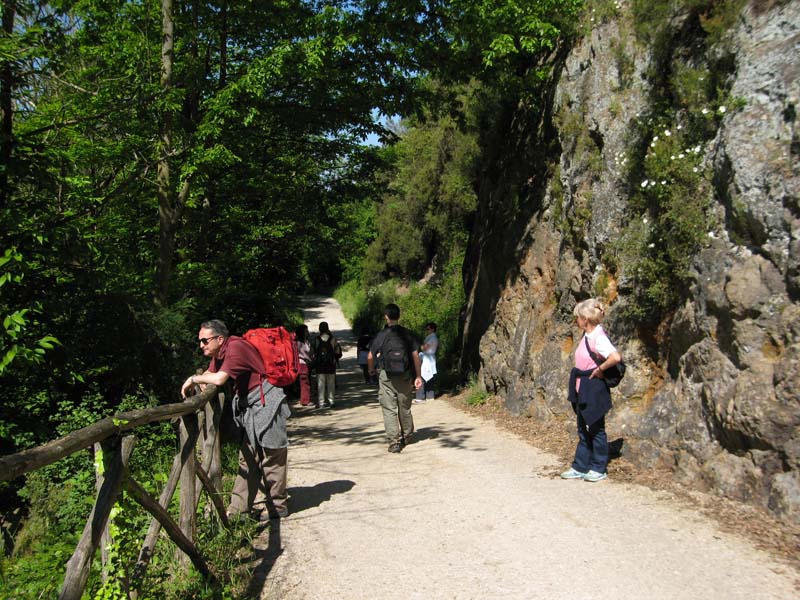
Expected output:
(593, 476)
(572, 474)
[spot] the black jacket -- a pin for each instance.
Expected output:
(593, 399)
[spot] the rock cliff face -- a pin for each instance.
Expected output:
(713, 385)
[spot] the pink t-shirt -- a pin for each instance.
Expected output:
(599, 343)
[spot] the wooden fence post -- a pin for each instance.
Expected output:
(185, 545)
(211, 459)
(215, 467)
(146, 553)
(105, 538)
(188, 499)
(78, 566)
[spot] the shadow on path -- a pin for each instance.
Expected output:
(305, 497)
(267, 557)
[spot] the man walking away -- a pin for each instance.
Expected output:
(394, 352)
(259, 409)
(326, 353)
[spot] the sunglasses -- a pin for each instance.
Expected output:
(204, 341)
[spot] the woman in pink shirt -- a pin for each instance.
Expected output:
(589, 394)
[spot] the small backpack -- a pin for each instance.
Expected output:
(395, 353)
(613, 375)
(324, 355)
(278, 351)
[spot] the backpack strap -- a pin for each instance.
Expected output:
(593, 354)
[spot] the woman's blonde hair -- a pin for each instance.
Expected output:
(592, 310)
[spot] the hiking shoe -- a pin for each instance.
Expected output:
(573, 474)
(593, 476)
(395, 447)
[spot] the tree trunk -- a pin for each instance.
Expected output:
(170, 203)
(223, 45)
(6, 105)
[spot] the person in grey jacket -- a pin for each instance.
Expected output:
(259, 409)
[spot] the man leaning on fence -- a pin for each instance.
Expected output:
(260, 411)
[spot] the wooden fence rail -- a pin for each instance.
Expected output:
(200, 416)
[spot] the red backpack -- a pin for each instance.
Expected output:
(278, 351)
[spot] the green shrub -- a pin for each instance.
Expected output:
(671, 191)
(716, 17)
(672, 206)
(419, 304)
(476, 395)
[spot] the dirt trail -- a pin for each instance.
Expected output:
(471, 511)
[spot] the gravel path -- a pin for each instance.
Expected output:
(470, 511)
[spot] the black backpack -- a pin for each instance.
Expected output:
(395, 352)
(324, 356)
(613, 375)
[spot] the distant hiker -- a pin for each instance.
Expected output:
(327, 352)
(303, 341)
(259, 409)
(589, 393)
(363, 352)
(428, 355)
(394, 352)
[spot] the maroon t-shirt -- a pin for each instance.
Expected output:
(242, 362)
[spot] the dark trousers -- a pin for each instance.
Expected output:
(260, 470)
(305, 384)
(592, 451)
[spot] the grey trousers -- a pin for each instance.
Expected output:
(326, 386)
(260, 469)
(395, 394)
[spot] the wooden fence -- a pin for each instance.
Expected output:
(113, 438)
